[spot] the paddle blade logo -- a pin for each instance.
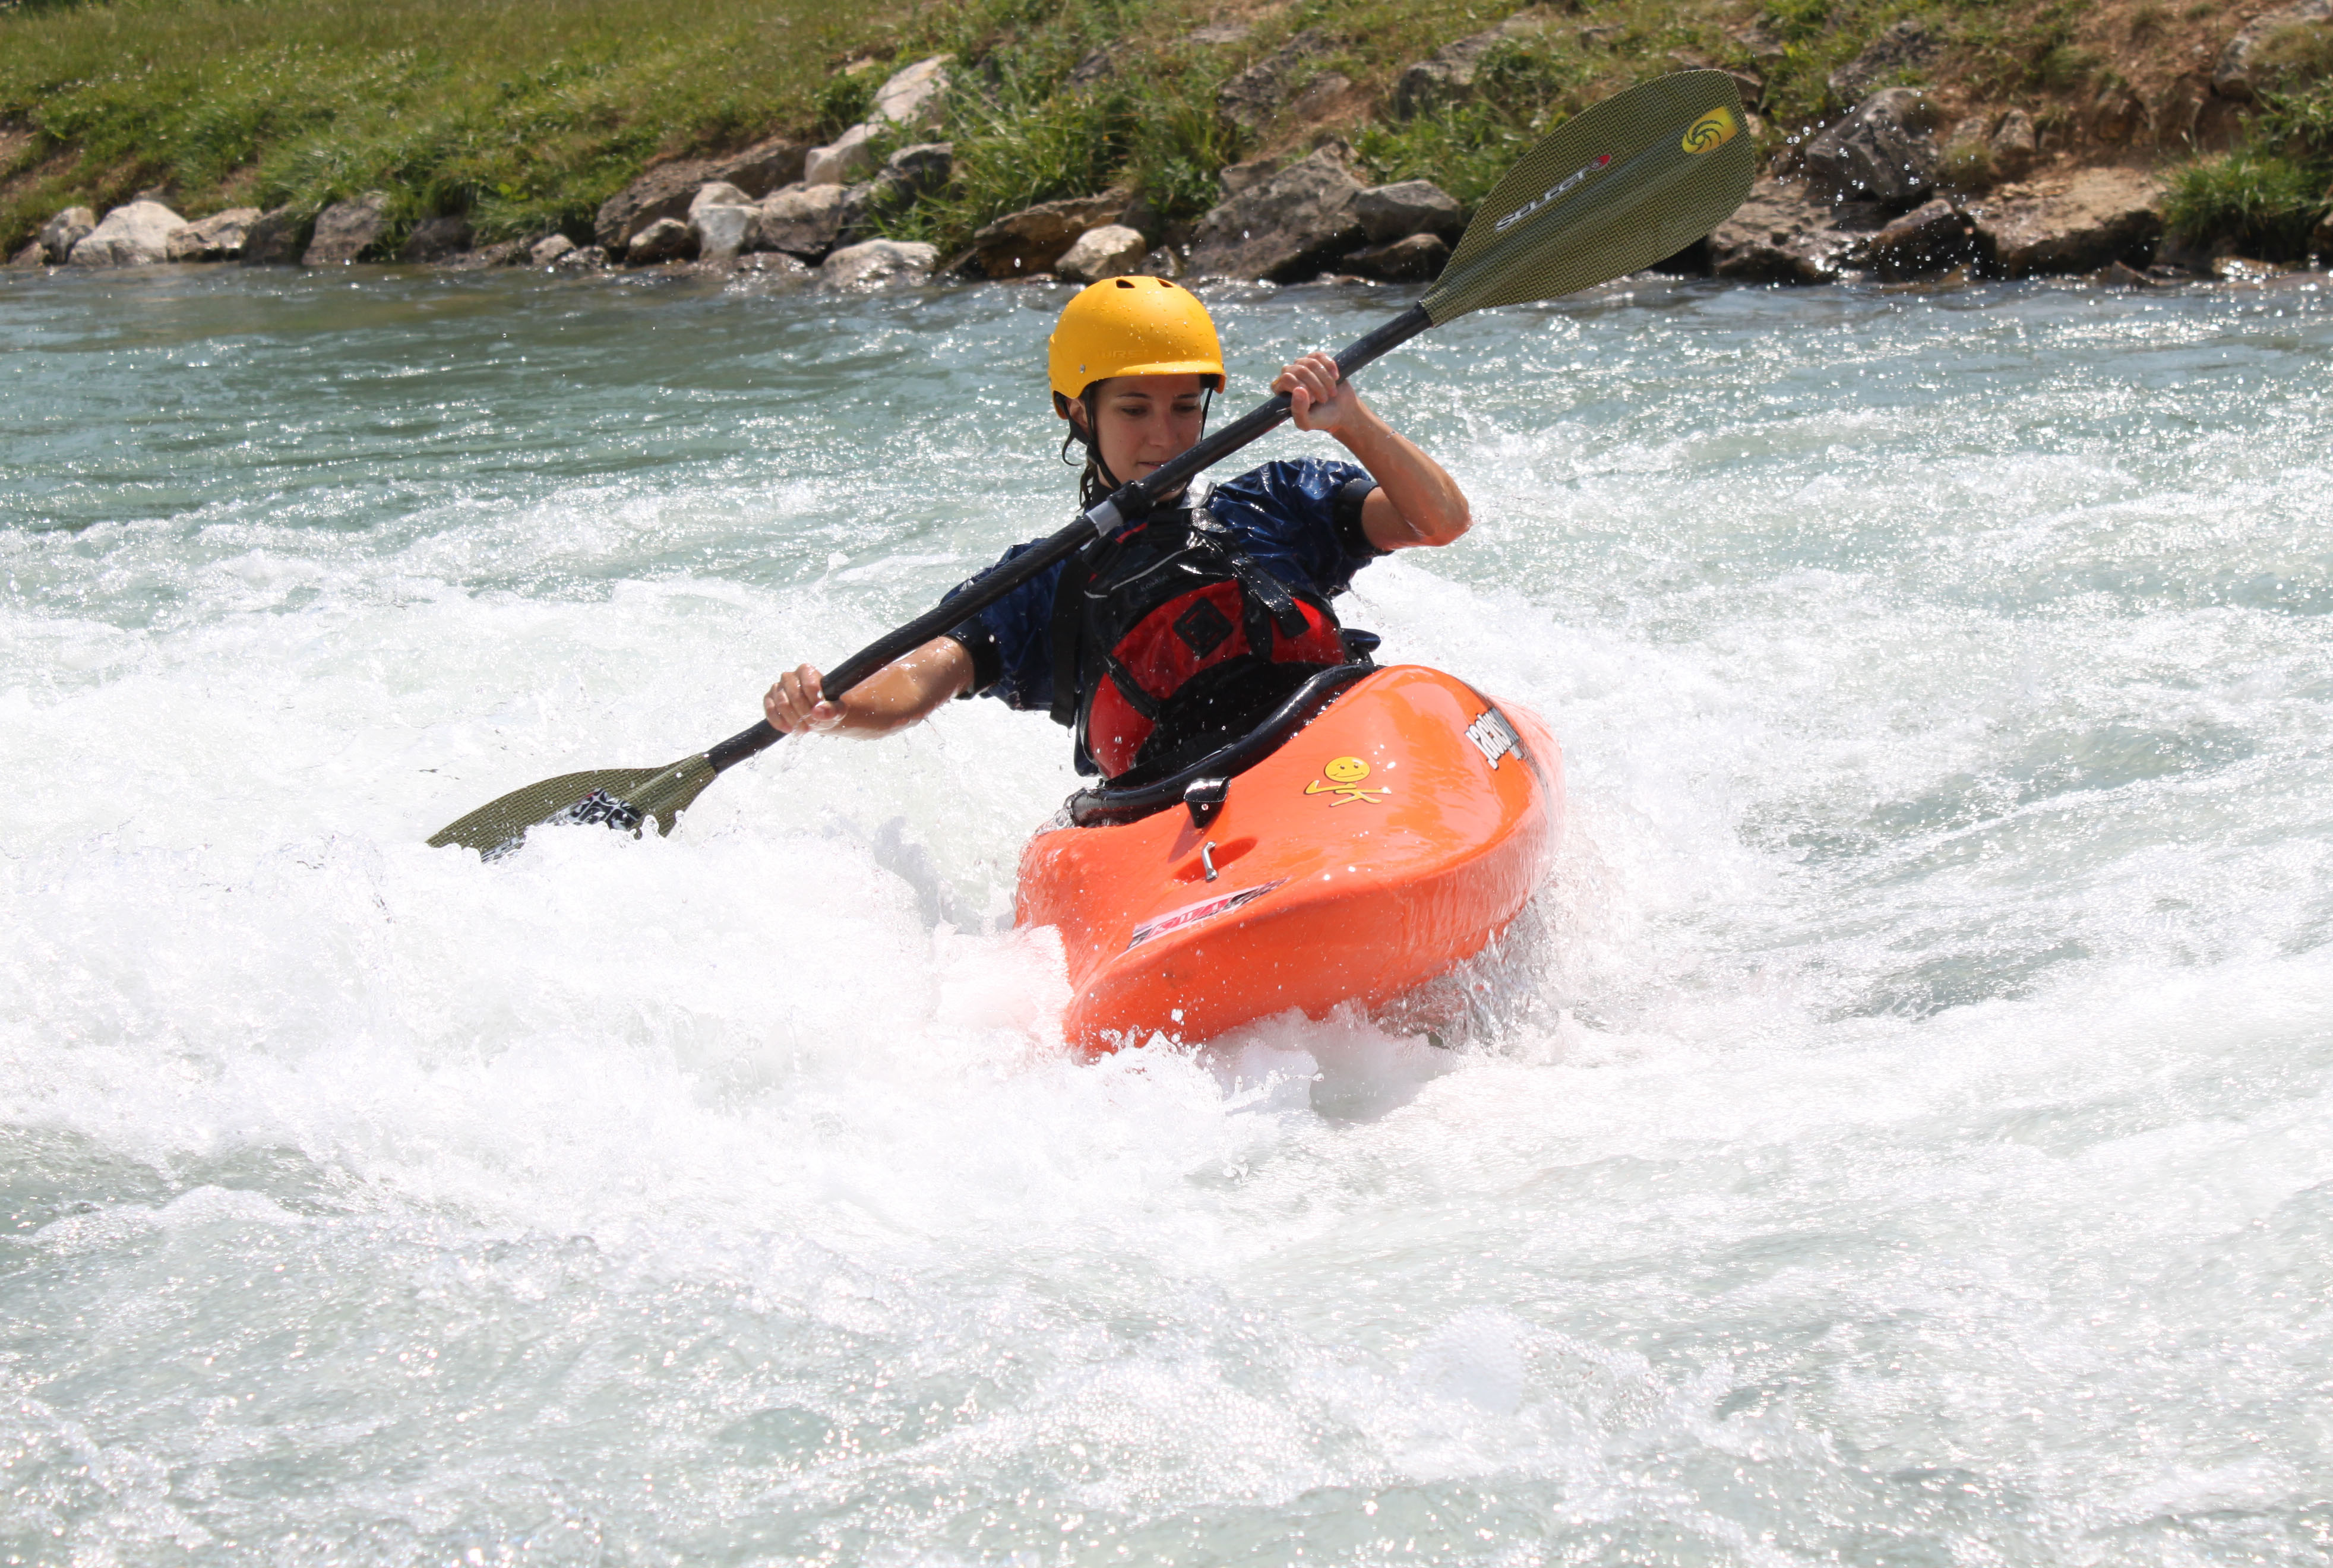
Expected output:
(1712, 131)
(1191, 914)
(1560, 189)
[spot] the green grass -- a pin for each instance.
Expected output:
(526, 113)
(2268, 194)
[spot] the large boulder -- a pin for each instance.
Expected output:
(1448, 77)
(916, 97)
(549, 250)
(1250, 99)
(1931, 238)
(67, 229)
(722, 229)
(277, 238)
(2077, 224)
(2241, 63)
(1782, 234)
(1885, 150)
(802, 220)
(716, 193)
(1413, 259)
(1392, 212)
(1113, 250)
(762, 167)
(665, 240)
(33, 255)
(1284, 228)
(1033, 239)
(877, 261)
(1909, 47)
(136, 234)
(662, 192)
(849, 157)
(434, 239)
(219, 238)
(347, 229)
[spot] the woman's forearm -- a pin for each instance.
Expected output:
(1421, 504)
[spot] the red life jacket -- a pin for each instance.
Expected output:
(1170, 640)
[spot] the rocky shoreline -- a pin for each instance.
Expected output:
(1888, 192)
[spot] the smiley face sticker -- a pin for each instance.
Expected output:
(1341, 776)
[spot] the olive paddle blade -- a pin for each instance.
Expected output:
(1614, 189)
(619, 797)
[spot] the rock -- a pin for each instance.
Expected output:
(549, 249)
(1780, 234)
(347, 229)
(1250, 99)
(2116, 116)
(1416, 259)
(1885, 150)
(1760, 43)
(777, 263)
(67, 229)
(1162, 263)
(802, 220)
(762, 167)
(219, 238)
(920, 170)
(877, 261)
(667, 239)
(1392, 212)
(2321, 238)
(1908, 46)
(1929, 239)
(435, 239)
(2243, 269)
(34, 254)
(509, 252)
(1033, 239)
(1448, 77)
(1221, 34)
(2239, 70)
(915, 97)
(134, 235)
(1323, 98)
(2118, 275)
(662, 192)
(716, 193)
(1286, 228)
(278, 237)
(2074, 226)
(2014, 145)
(582, 258)
(847, 160)
(723, 229)
(1113, 250)
(1235, 177)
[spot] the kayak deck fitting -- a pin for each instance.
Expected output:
(1380, 828)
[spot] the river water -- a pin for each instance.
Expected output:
(1903, 1135)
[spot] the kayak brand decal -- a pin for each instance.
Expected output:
(1494, 736)
(1712, 131)
(1191, 914)
(1560, 189)
(1342, 778)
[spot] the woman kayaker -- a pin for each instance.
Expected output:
(1194, 623)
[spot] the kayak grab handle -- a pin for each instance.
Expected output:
(1204, 797)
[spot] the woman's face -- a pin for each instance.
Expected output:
(1146, 420)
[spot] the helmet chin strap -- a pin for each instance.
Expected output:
(1088, 435)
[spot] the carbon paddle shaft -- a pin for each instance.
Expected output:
(1102, 519)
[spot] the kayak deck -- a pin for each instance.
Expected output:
(1387, 841)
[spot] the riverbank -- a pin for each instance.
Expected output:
(1899, 142)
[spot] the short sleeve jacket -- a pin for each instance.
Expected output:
(1299, 520)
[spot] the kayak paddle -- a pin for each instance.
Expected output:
(1636, 177)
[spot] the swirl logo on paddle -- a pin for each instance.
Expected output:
(1712, 131)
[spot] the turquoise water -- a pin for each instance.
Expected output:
(1903, 1135)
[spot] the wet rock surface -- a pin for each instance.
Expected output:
(1392, 212)
(1782, 235)
(667, 239)
(1415, 259)
(1110, 251)
(2076, 225)
(347, 229)
(219, 238)
(802, 220)
(67, 229)
(1931, 238)
(1883, 151)
(1032, 240)
(877, 261)
(435, 239)
(1286, 228)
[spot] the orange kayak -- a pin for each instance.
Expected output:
(1381, 828)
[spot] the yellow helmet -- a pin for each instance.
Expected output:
(1131, 327)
